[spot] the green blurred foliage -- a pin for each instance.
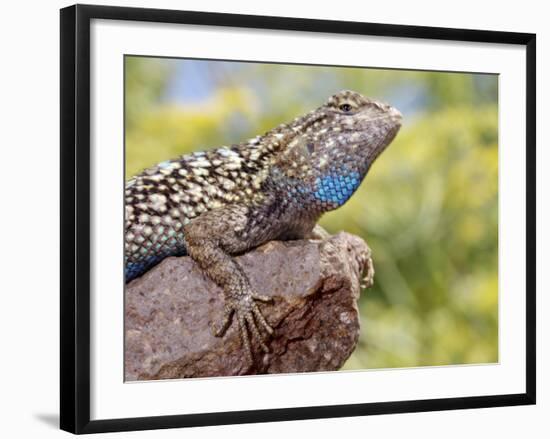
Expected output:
(428, 208)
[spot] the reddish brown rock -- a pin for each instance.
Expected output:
(314, 284)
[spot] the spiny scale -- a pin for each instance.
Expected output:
(164, 198)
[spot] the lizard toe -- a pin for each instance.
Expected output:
(259, 316)
(262, 298)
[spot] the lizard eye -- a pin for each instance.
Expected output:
(346, 108)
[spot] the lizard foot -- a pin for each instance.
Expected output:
(249, 318)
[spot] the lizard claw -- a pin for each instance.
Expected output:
(226, 320)
(249, 318)
(260, 318)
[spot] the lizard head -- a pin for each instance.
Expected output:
(333, 147)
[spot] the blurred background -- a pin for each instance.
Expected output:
(428, 207)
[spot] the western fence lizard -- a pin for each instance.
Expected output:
(222, 202)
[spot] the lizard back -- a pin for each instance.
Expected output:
(162, 199)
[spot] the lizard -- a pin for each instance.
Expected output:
(222, 202)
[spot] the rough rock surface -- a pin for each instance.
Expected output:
(315, 285)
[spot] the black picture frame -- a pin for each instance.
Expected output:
(75, 217)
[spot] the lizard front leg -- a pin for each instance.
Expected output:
(210, 240)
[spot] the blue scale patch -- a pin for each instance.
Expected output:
(336, 188)
(136, 269)
(145, 263)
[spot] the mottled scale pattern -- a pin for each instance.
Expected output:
(163, 199)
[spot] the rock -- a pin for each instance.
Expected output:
(314, 284)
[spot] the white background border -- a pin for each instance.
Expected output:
(29, 396)
(111, 398)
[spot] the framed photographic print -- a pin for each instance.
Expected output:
(272, 218)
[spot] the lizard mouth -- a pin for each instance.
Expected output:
(391, 131)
